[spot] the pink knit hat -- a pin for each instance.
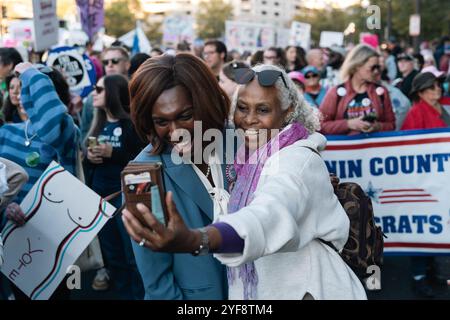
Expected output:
(295, 75)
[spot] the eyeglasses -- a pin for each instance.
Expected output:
(270, 57)
(376, 67)
(311, 75)
(98, 89)
(113, 60)
(209, 53)
(266, 78)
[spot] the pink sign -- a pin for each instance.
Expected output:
(370, 39)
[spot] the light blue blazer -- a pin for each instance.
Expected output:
(168, 276)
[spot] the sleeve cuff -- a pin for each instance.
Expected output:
(231, 242)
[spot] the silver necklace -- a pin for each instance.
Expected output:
(27, 139)
(208, 171)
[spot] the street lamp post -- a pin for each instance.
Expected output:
(417, 38)
(389, 20)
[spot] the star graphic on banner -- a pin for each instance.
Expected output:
(372, 192)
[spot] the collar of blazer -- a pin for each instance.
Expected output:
(184, 176)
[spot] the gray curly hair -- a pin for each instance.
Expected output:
(303, 113)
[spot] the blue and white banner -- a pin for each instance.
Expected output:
(407, 176)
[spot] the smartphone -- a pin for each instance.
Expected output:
(143, 183)
(370, 118)
(92, 142)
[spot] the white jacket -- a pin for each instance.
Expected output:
(293, 205)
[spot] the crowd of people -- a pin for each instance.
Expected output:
(234, 230)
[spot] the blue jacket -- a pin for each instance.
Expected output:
(318, 101)
(168, 276)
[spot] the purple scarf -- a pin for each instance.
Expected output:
(248, 170)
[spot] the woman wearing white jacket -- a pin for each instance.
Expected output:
(281, 204)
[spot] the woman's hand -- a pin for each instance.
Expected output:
(358, 124)
(374, 127)
(15, 214)
(175, 237)
(22, 67)
(103, 150)
(93, 157)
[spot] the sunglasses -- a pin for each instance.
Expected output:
(266, 78)
(376, 67)
(98, 89)
(311, 75)
(113, 61)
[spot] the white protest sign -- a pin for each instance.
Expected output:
(178, 28)
(283, 36)
(331, 38)
(414, 25)
(300, 35)
(249, 36)
(63, 216)
(46, 25)
(406, 174)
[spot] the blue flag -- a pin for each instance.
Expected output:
(135, 48)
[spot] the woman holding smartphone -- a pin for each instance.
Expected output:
(172, 96)
(113, 143)
(359, 105)
(281, 206)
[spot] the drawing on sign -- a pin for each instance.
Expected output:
(36, 258)
(24, 260)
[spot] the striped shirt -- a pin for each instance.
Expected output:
(55, 136)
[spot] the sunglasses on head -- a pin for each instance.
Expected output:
(113, 61)
(266, 78)
(98, 89)
(376, 67)
(311, 75)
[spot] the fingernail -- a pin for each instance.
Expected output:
(141, 206)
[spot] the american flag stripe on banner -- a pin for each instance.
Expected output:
(405, 196)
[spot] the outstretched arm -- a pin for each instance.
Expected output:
(48, 115)
(175, 237)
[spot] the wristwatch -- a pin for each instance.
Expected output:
(203, 249)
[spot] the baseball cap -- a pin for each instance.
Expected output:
(309, 69)
(405, 56)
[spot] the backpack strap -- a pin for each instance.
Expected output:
(328, 243)
(313, 150)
